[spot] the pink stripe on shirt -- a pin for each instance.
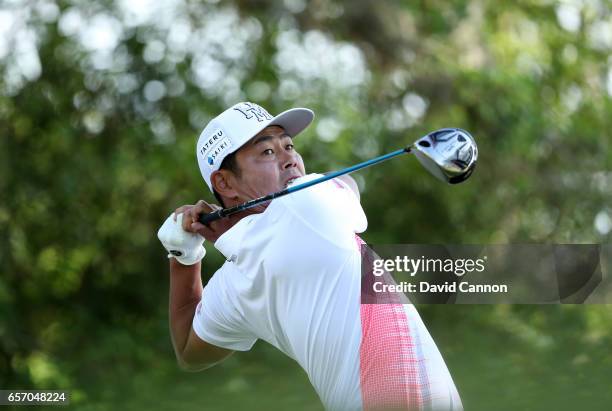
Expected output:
(391, 373)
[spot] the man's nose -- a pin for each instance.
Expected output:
(289, 160)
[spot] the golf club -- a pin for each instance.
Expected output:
(450, 154)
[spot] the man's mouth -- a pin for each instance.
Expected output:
(291, 180)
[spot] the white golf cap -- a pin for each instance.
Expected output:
(238, 124)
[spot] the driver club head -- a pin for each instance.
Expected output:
(450, 154)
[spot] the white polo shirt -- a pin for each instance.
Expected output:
(293, 279)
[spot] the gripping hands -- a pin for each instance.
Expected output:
(186, 247)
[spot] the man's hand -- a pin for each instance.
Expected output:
(185, 246)
(215, 229)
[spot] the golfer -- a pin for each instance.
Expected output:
(292, 275)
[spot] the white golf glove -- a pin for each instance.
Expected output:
(186, 247)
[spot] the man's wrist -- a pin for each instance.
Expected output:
(181, 269)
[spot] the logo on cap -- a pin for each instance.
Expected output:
(215, 147)
(251, 110)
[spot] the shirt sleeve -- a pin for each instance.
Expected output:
(217, 321)
(331, 208)
(358, 219)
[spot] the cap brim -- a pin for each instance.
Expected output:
(293, 120)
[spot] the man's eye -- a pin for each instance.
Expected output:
(268, 151)
(289, 147)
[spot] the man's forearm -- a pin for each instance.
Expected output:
(185, 294)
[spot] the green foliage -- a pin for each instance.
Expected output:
(99, 146)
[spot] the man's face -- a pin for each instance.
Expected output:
(267, 163)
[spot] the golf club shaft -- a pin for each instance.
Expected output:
(226, 212)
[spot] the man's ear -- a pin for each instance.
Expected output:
(222, 182)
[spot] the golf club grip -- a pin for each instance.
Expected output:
(210, 217)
